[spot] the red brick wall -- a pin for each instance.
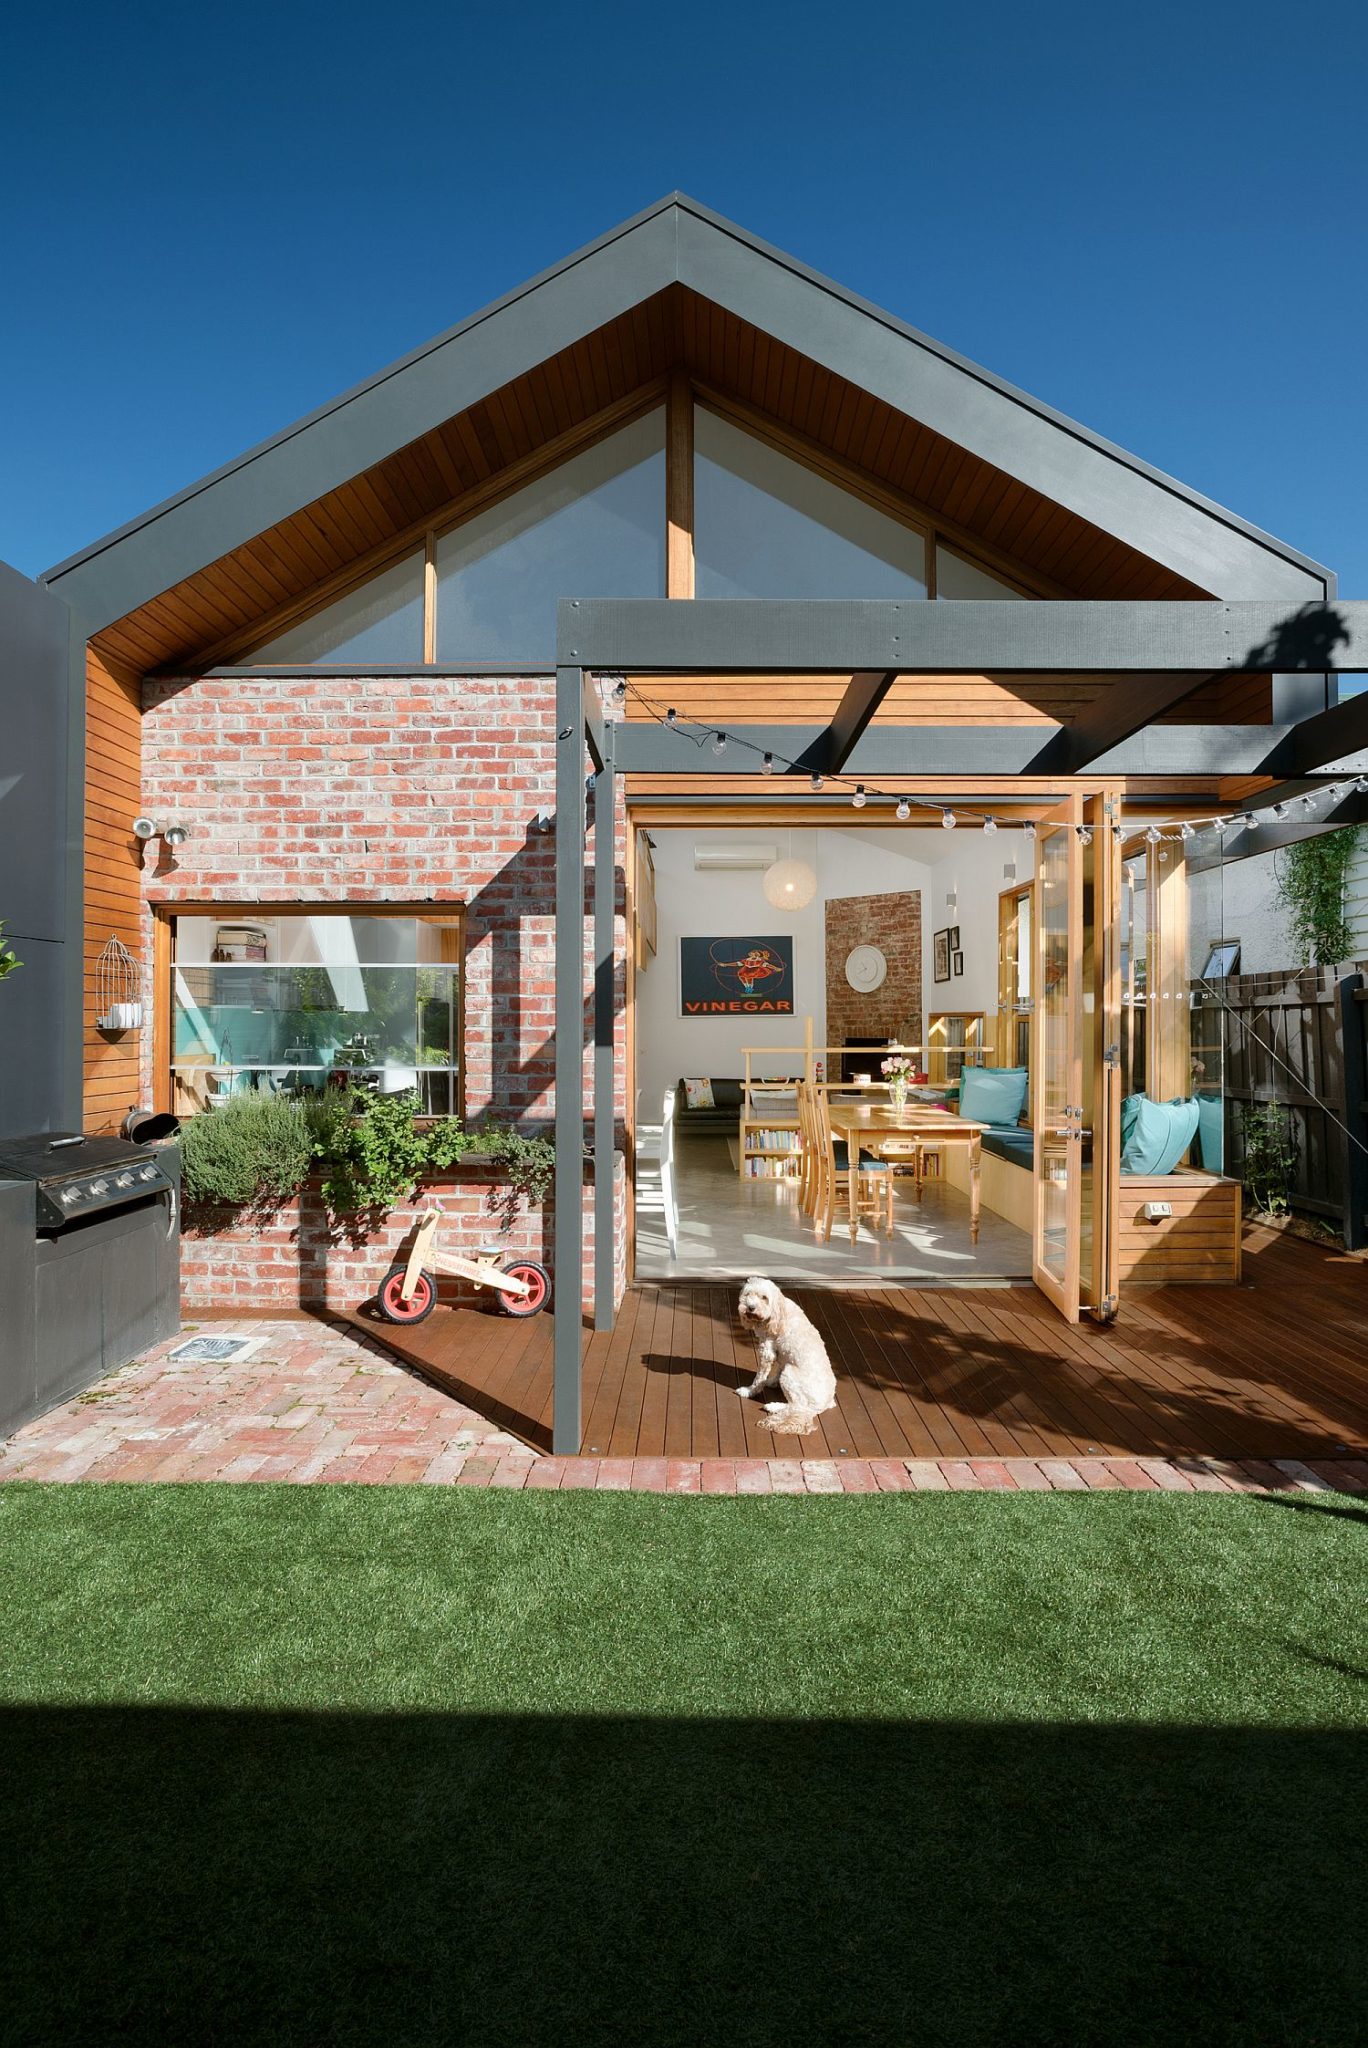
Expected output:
(371, 790)
(296, 1257)
(893, 924)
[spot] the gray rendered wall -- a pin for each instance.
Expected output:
(41, 731)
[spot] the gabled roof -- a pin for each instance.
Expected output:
(680, 243)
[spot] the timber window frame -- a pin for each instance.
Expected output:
(448, 918)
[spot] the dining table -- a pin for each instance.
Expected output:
(885, 1133)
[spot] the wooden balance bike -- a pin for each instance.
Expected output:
(408, 1292)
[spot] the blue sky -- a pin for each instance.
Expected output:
(214, 220)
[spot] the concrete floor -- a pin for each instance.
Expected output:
(729, 1228)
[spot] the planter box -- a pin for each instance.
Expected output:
(1198, 1244)
(299, 1257)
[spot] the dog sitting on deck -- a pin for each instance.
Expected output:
(790, 1351)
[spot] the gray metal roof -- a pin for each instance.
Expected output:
(679, 241)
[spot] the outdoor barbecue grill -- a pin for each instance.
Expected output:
(89, 1262)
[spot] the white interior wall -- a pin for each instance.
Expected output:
(875, 861)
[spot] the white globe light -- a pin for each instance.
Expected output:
(789, 885)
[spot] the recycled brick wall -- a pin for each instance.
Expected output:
(894, 1010)
(296, 1257)
(369, 789)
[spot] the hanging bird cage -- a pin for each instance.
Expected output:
(118, 1005)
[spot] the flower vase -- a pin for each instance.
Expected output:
(897, 1089)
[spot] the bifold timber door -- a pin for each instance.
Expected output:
(1075, 1081)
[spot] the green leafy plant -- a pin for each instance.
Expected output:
(529, 1163)
(254, 1153)
(8, 963)
(372, 1157)
(1270, 1155)
(1311, 878)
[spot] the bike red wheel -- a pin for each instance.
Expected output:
(420, 1303)
(538, 1283)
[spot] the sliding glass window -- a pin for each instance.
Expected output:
(292, 1003)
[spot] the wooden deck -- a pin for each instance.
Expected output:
(1275, 1368)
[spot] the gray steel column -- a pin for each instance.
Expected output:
(569, 1240)
(605, 1121)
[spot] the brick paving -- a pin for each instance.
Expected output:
(319, 1403)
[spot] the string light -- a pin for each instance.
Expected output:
(1084, 835)
(1184, 831)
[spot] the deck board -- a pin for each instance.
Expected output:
(1275, 1368)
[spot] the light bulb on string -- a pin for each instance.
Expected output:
(990, 824)
(1154, 835)
(1361, 786)
(859, 799)
(1249, 820)
(719, 745)
(1029, 828)
(817, 781)
(1085, 835)
(619, 689)
(672, 718)
(1280, 810)
(948, 820)
(1118, 833)
(1308, 803)
(767, 765)
(1186, 832)
(904, 810)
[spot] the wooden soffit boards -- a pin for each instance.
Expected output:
(258, 520)
(928, 700)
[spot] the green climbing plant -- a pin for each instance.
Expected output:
(8, 963)
(1311, 878)
(1270, 1156)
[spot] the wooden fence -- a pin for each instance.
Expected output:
(1297, 1038)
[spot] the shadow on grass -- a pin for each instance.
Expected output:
(414, 1879)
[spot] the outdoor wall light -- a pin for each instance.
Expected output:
(145, 830)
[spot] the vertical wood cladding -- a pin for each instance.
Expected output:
(113, 893)
(894, 925)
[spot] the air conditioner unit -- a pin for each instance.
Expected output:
(709, 859)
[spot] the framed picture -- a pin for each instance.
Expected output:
(741, 977)
(953, 938)
(957, 963)
(940, 955)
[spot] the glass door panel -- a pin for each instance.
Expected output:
(1058, 1078)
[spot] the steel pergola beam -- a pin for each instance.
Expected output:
(1327, 736)
(1121, 709)
(1240, 841)
(568, 1335)
(983, 637)
(642, 748)
(864, 693)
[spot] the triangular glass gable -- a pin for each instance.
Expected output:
(378, 623)
(958, 577)
(592, 527)
(766, 526)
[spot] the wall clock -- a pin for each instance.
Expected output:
(865, 968)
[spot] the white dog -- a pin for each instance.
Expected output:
(791, 1351)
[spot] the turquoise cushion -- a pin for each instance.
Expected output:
(1155, 1135)
(992, 1095)
(1211, 1132)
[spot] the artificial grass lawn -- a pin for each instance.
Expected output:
(344, 1765)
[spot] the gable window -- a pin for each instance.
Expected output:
(377, 624)
(592, 527)
(958, 577)
(293, 1002)
(767, 526)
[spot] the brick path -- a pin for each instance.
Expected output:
(317, 1402)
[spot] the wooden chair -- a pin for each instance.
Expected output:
(831, 1173)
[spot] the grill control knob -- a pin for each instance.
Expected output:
(99, 1187)
(123, 1180)
(147, 1173)
(70, 1195)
